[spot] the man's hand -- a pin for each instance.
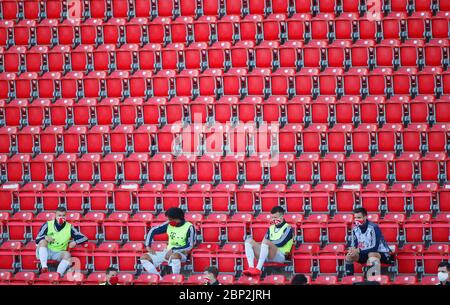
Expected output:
(150, 250)
(49, 239)
(72, 245)
(168, 254)
(353, 251)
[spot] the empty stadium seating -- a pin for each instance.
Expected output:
(119, 110)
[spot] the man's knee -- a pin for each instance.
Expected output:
(374, 254)
(43, 243)
(373, 258)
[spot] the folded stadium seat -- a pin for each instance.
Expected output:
(414, 138)
(198, 196)
(339, 137)
(71, 83)
(163, 83)
(331, 168)
(94, 84)
(58, 60)
(77, 195)
(350, 280)
(369, 29)
(373, 197)
(74, 139)
(337, 228)
(323, 108)
(434, 255)
(41, 167)
(246, 196)
(389, 137)
(297, 197)
(172, 57)
(146, 279)
(363, 138)
(274, 27)
(411, 53)
(87, 167)
(417, 228)
(160, 167)
(80, 57)
(207, 168)
(390, 227)
(441, 109)
(25, 85)
(201, 259)
(313, 229)
(72, 279)
(124, 196)
(90, 31)
(127, 58)
(181, 30)
(222, 198)
(421, 109)
(111, 167)
(95, 278)
(7, 85)
(248, 280)
(444, 194)
(203, 28)
(100, 196)
(22, 32)
(149, 57)
(138, 224)
(104, 255)
(90, 225)
(49, 278)
(47, 32)
(28, 197)
(439, 24)
(47, 85)
(322, 26)
(440, 228)
(185, 82)
(347, 196)
(290, 139)
(135, 167)
(104, 58)
(115, 227)
(213, 228)
(172, 279)
(250, 28)
(195, 56)
(343, 23)
(137, 31)
(114, 31)
(5, 277)
(409, 258)
(331, 259)
(8, 136)
(399, 197)
(312, 53)
(35, 59)
(174, 196)
(429, 280)
(382, 279)
(153, 110)
(431, 167)
(64, 168)
(228, 28)
(425, 198)
(28, 256)
(437, 138)
(53, 196)
(298, 26)
(219, 54)
(15, 113)
(195, 279)
(16, 166)
(393, 28)
(435, 52)
(306, 81)
(23, 278)
(9, 253)
(305, 258)
(356, 168)
(380, 79)
(325, 280)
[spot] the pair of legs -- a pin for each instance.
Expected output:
(152, 261)
(372, 259)
(262, 252)
(44, 254)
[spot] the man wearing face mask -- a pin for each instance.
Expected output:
(277, 243)
(444, 274)
(181, 235)
(111, 277)
(53, 241)
(367, 244)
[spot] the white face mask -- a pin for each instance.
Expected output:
(442, 276)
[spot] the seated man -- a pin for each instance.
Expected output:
(181, 240)
(53, 240)
(111, 277)
(211, 274)
(367, 244)
(277, 243)
(444, 274)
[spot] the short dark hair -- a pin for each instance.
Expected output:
(175, 213)
(61, 209)
(444, 264)
(360, 210)
(299, 279)
(111, 269)
(213, 270)
(277, 209)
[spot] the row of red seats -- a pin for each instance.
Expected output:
(424, 109)
(223, 140)
(297, 198)
(95, 278)
(222, 55)
(35, 9)
(277, 27)
(236, 82)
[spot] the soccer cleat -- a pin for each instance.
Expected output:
(252, 272)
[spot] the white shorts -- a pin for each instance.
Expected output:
(159, 257)
(279, 258)
(52, 255)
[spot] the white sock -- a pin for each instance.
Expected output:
(149, 267)
(62, 267)
(176, 266)
(262, 256)
(43, 256)
(250, 255)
